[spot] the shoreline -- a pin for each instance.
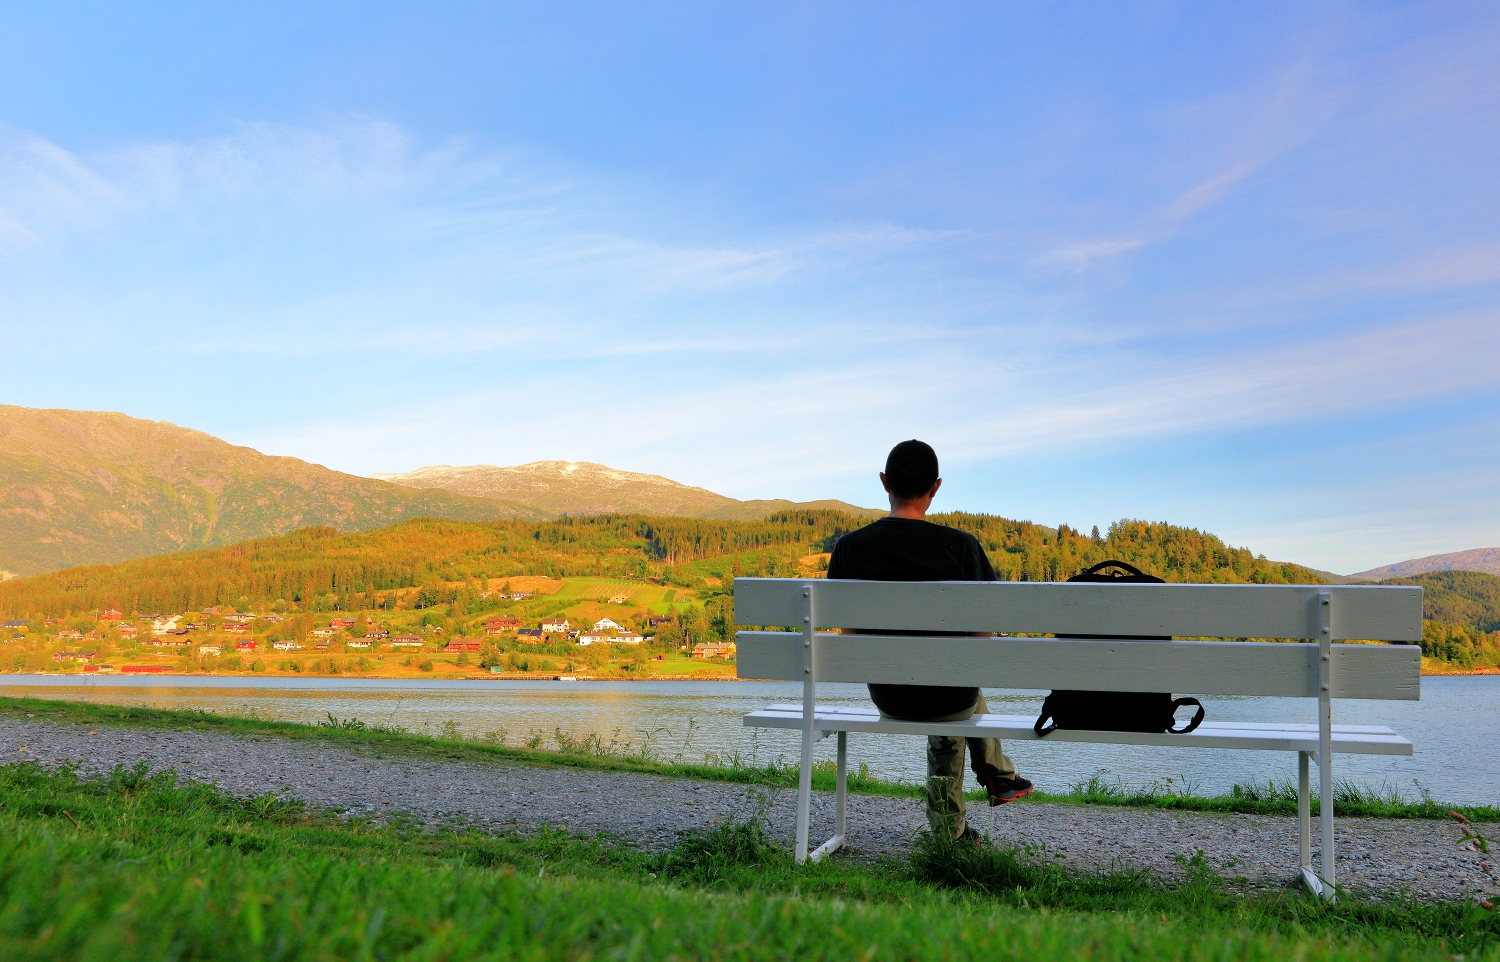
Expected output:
(104, 679)
(67, 677)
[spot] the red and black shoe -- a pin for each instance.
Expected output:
(1002, 789)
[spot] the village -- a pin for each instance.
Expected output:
(632, 641)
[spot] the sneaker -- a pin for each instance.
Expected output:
(1002, 789)
(969, 837)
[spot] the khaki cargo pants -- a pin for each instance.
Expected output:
(945, 770)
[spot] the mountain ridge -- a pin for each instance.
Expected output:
(1486, 560)
(586, 487)
(99, 487)
(91, 487)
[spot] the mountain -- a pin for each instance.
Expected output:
(580, 487)
(1476, 559)
(88, 487)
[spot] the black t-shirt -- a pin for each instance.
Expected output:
(903, 549)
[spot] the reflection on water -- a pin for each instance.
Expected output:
(1454, 727)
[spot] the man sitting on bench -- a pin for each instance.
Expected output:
(907, 547)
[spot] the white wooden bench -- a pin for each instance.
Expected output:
(1312, 668)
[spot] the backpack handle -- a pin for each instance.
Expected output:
(1197, 718)
(1101, 566)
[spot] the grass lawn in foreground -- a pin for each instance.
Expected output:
(137, 866)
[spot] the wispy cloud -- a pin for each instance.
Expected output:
(356, 297)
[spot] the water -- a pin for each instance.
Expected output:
(1455, 727)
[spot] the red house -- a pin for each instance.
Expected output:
(496, 625)
(246, 645)
(111, 614)
(456, 647)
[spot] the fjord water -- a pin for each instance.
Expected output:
(1455, 727)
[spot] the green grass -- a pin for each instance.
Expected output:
(558, 749)
(139, 866)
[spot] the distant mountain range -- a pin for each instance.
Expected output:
(90, 487)
(1476, 559)
(580, 487)
(87, 487)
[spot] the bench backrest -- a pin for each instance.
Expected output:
(1369, 613)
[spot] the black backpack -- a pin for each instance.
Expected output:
(1115, 711)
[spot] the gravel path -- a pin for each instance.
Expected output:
(1420, 857)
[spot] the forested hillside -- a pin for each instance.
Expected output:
(1467, 598)
(1461, 612)
(443, 566)
(319, 567)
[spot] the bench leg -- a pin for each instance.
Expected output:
(804, 796)
(840, 797)
(1322, 882)
(1304, 828)
(843, 785)
(1325, 819)
(1304, 813)
(809, 715)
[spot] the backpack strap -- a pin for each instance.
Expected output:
(1041, 727)
(1197, 716)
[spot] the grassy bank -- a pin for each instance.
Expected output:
(136, 866)
(559, 750)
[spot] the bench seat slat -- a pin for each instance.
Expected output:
(1183, 667)
(859, 712)
(1227, 735)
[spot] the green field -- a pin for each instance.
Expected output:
(657, 598)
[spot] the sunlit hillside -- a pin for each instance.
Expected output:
(666, 579)
(324, 569)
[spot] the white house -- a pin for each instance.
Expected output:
(604, 624)
(610, 638)
(556, 625)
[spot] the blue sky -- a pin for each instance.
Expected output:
(1236, 268)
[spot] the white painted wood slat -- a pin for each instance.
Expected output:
(1224, 735)
(1362, 612)
(1182, 667)
(840, 711)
